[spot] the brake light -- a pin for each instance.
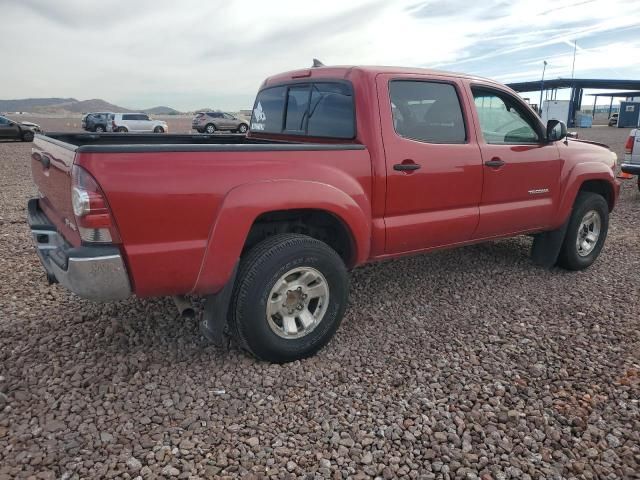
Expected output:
(113, 125)
(93, 217)
(628, 147)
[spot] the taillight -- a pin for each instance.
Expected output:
(113, 125)
(90, 207)
(628, 147)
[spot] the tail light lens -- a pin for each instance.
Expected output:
(628, 147)
(113, 125)
(93, 217)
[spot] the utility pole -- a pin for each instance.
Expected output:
(544, 67)
(573, 67)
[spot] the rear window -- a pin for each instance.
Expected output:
(317, 109)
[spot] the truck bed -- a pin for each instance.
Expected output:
(153, 142)
(170, 194)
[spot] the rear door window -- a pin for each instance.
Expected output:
(427, 111)
(128, 117)
(318, 109)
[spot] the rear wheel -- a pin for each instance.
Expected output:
(100, 129)
(158, 130)
(243, 128)
(210, 128)
(121, 130)
(27, 136)
(289, 298)
(586, 232)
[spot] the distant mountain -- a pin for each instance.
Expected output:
(28, 104)
(72, 105)
(93, 105)
(162, 110)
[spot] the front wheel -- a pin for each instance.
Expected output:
(290, 296)
(27, 137)
(586, 232)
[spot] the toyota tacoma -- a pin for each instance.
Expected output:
(342, 166)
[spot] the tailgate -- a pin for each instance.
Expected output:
(51, 163)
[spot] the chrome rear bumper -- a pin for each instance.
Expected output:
(95, 272)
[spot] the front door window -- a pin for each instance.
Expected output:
(502, 120)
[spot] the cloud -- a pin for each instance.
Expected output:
(192, 54)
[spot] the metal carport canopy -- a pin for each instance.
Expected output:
(550, 84)
(577, 86)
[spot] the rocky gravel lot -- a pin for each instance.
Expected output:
(467, 363)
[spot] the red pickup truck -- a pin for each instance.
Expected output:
(342, 166)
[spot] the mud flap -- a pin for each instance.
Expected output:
(546, 246)
(213, 323)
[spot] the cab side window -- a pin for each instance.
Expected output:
(427, 111)
(503, 120)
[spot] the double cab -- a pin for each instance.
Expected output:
(342, 166)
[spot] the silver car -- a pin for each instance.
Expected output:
(210, 122)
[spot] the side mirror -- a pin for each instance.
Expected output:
(556, 130)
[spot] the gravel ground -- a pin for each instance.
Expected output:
(468, 363)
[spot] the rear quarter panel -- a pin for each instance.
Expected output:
(168, 205)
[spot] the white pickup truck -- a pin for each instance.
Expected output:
(632, 154)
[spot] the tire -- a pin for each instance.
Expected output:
(243, 128)
(269, 262)
(121, 130)
(100, 129)
(209, 128)
(27, 136)
(158, 130)
(587, 204)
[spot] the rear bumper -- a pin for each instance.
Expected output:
(632, 168)
(96, 273)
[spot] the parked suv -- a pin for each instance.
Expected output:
(631, 164)
(209, 122)
(137, 122)
(97, 122)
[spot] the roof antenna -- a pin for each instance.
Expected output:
(317, 63)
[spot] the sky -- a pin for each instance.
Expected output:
(192, 54)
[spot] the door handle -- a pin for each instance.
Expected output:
(406, 167)
(495, 162)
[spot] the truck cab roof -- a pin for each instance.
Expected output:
(347, 71)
